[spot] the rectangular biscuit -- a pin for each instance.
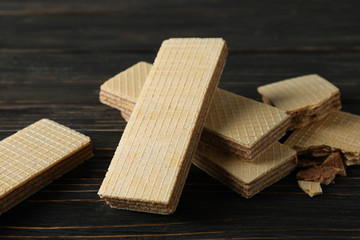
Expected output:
(247, 178)
(35, 156)
(235, 124)
(306, 98)
(339, 131)
(150, 165)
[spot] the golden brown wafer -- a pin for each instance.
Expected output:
(151, 163)
(235, 124)
(306, 98)
(35, 156)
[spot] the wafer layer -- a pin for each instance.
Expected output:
(151, 163)
(307, 98)
(338, 131)
(235, 124)
(33, 157)
(247, 178)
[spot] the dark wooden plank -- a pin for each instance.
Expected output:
(142, 25)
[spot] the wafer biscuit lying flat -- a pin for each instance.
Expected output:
(339, 131)
(235, 124)
(154, 155)
(306, 99)
(244, 177)
(35, 156)
(247, 178)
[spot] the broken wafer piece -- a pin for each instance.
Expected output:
(151, 163)
(310, 188)
(339, 131)
(309, 161)
(306, 99)
(235, 124)
(247, 178)
(323, 175)
(35, 156)
(335, 160)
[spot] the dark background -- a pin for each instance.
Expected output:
(54, 55)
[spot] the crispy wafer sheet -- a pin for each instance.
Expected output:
(339, 131)
(310, 188)
(235, 124)
(151, 163)
(35, 156)
(307, 98)
(247, 178)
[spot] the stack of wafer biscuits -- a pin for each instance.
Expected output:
(326, 139)
(235, 124)
(35, 156)
(307, 98)
(239, 141)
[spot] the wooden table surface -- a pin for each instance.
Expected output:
(54, 55)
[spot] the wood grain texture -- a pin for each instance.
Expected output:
(55, 55)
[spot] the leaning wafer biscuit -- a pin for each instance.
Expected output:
(339, 131)
(306, 99)
(235, 124)
(151, 163)
(35, 156)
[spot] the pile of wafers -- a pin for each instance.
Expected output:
(177, 116)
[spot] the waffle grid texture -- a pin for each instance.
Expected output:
(298, 93)
(130, 90)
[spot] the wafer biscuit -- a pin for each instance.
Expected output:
(35, 156)
(306, 99)
(235, 124)
(339, 131)
(151, 163)
(247, 178)
(310, 188)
